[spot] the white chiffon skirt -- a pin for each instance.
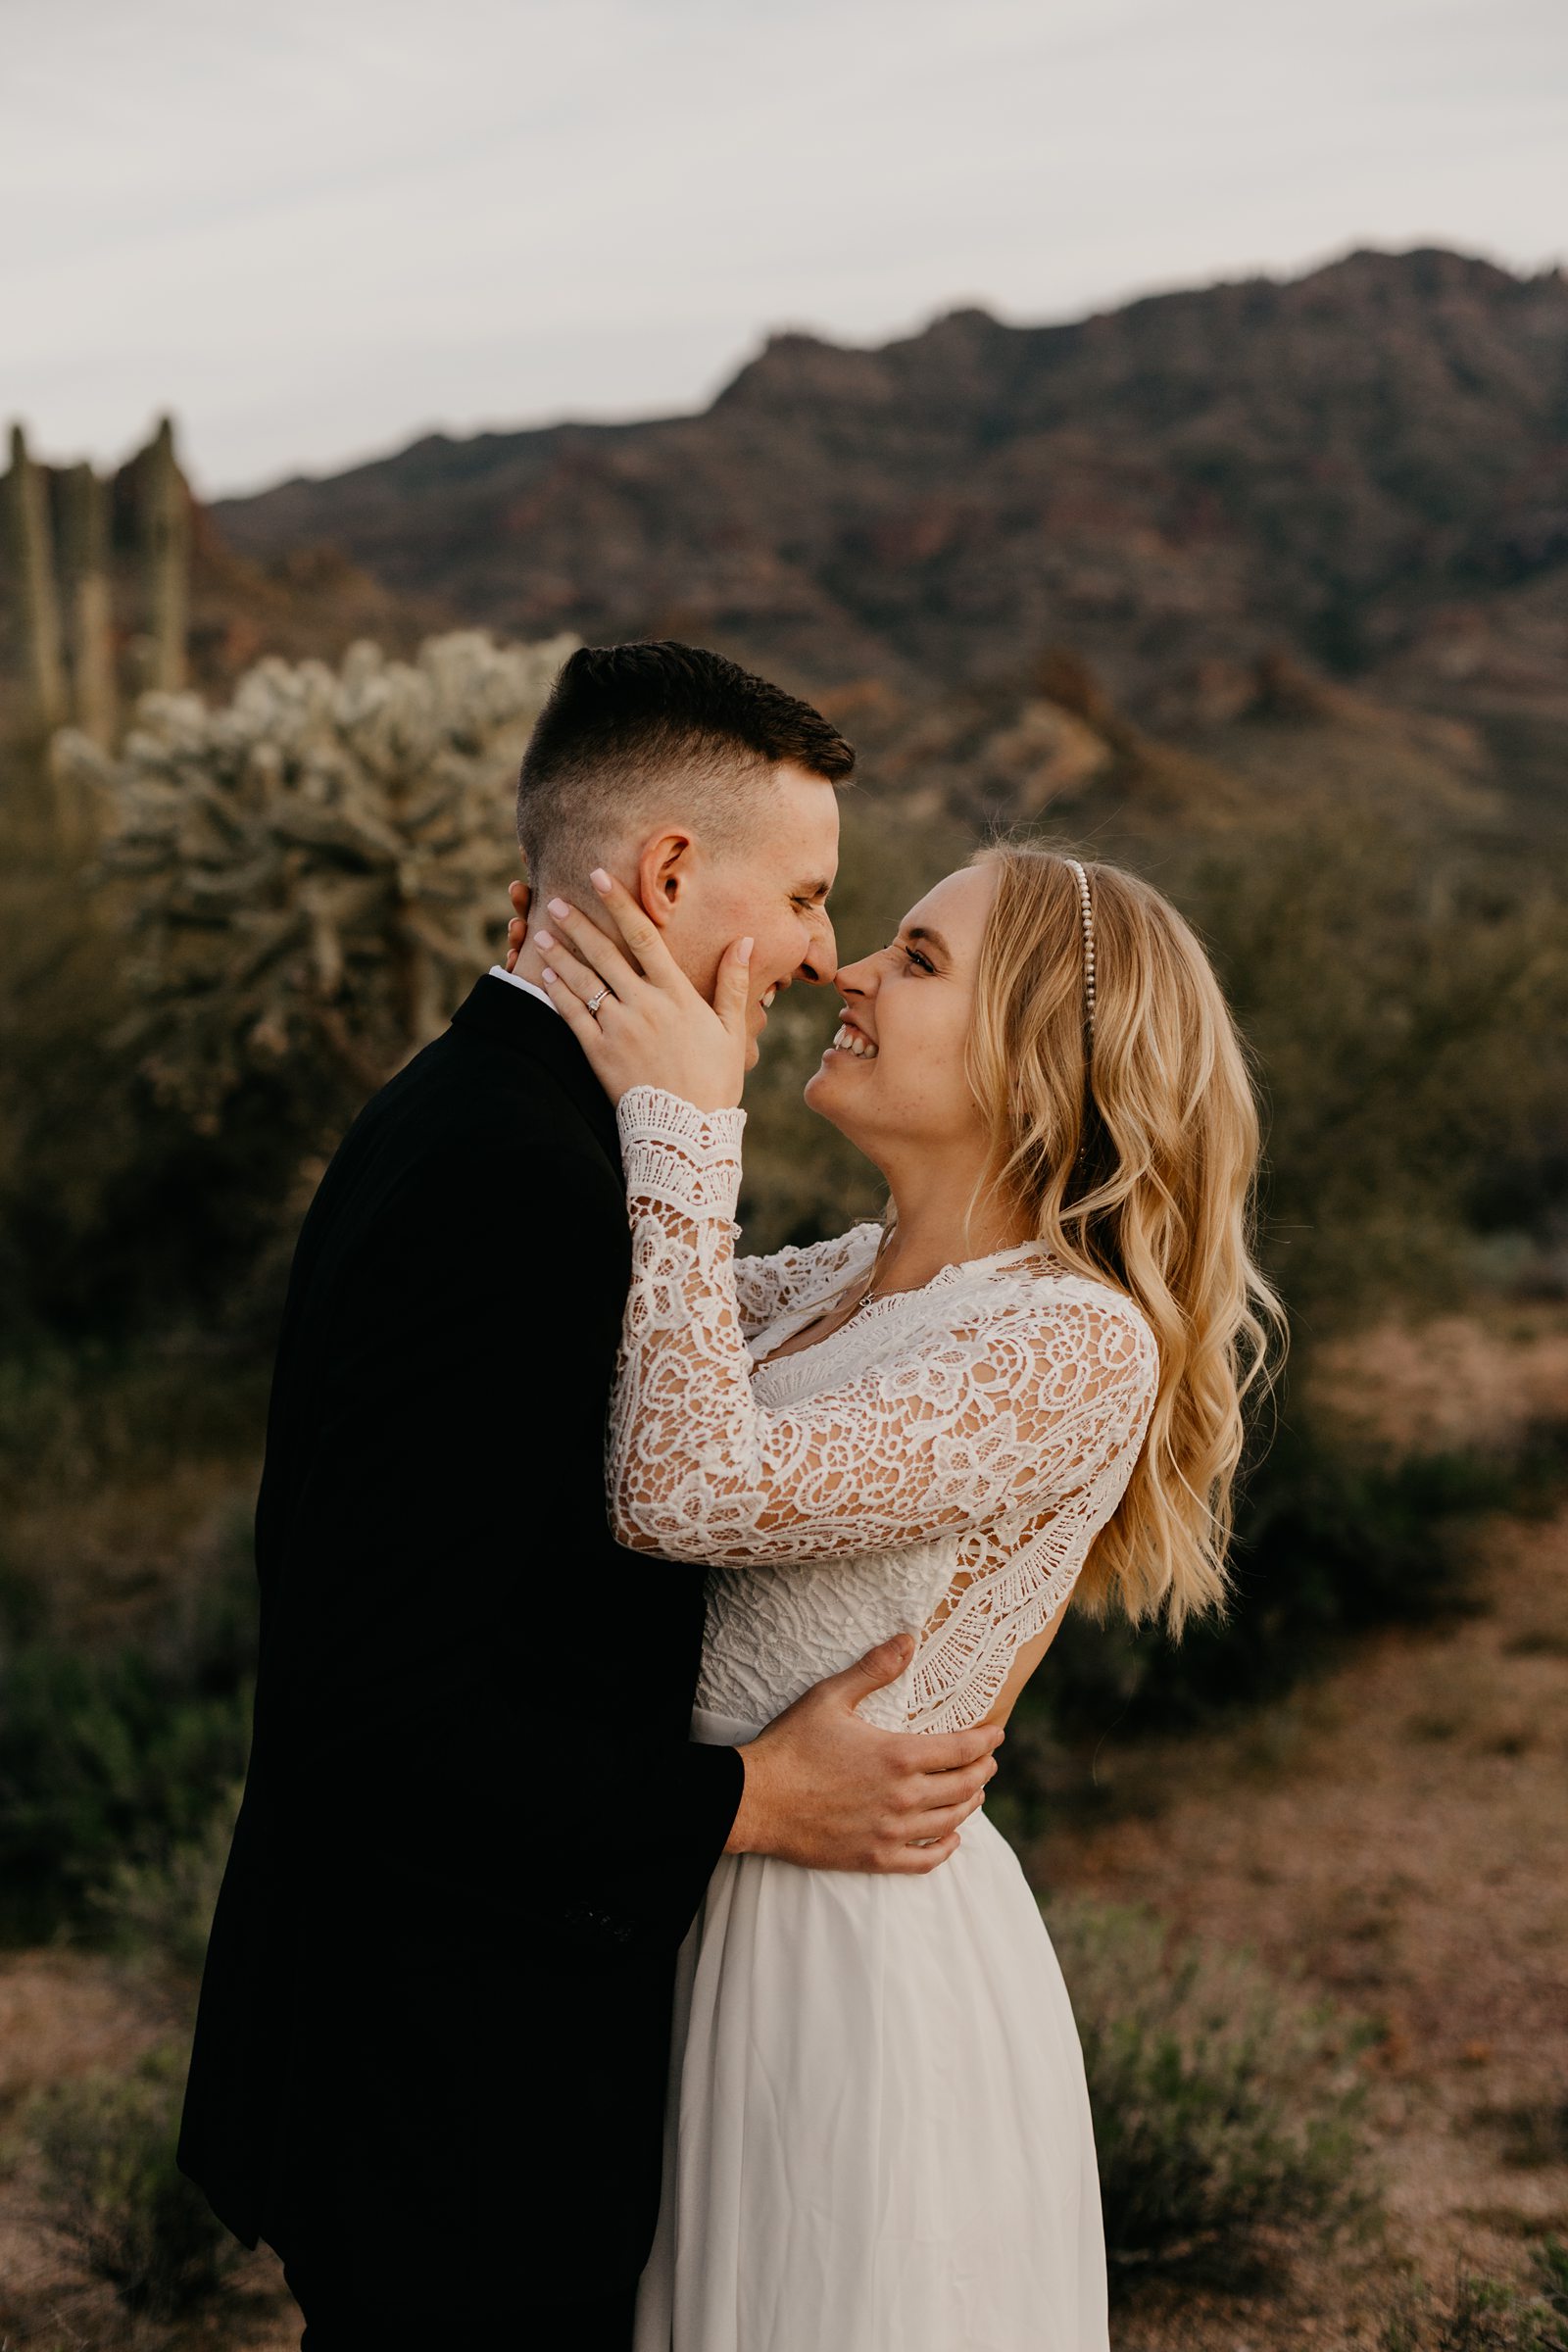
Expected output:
(878, 2137)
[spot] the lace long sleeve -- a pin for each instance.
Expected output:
(1014, 1409)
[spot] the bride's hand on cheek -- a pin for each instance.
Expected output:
(649, 1026)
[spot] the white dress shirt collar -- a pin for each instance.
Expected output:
(499, 972)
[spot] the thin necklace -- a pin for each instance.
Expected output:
(864, 1299)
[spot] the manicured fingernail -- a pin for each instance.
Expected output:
(601, 881)
(745, 951)
(549, 974)
(542, 938)
(559, 910)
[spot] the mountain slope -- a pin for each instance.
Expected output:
(1369, 464)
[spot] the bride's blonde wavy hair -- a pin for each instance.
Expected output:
(1136, 1164)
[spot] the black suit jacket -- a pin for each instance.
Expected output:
(435, 2019)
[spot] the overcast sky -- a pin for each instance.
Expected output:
(315, 228)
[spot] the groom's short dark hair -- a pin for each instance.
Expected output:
(624, 722)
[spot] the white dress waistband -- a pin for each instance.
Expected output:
(722, 1731)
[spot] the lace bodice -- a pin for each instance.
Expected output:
(939, 1464)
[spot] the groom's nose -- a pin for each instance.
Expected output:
(821, 962)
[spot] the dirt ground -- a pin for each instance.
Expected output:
(1394, 1835)
(66, 2013)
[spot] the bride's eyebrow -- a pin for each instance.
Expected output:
(931, 939)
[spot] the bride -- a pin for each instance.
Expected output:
(1025, 1384)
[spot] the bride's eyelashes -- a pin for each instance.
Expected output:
(924, 962)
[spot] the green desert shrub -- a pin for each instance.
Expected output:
(118, 1213)
(1408, 1002)
(1226, 2109)
(116, 1753)
(1475, 2314)
(105, 1761)
(159, 1913)
(1550, 2263)
(105, 2146)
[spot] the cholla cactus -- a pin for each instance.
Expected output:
(321, 864)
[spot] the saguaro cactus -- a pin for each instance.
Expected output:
(84, 535)
(33, 561)
(165, 527)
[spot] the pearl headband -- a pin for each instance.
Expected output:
(1086, 912)
(1086, 917)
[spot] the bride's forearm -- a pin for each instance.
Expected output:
(682, 1336)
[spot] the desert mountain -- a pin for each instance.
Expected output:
(1365, 468)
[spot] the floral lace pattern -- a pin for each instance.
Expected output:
(939, 1464)
(769, 1289)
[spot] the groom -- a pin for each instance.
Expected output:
(432, 2045)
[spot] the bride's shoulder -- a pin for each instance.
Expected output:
(838, 1254)
(1040, 1289)
(847, 1249)
(799, 1273)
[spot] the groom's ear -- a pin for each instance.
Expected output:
(664, 874)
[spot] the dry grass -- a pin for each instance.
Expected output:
(63, 2015)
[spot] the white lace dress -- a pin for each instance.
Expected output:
(878, 2137)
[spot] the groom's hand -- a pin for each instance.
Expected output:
(828, 1791)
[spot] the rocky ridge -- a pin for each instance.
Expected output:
(1366, 466)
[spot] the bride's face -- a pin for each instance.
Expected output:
(894, 1074)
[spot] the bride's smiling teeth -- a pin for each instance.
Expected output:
(849, 1041)
(768, 999)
